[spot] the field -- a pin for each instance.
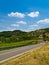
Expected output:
(4, 46)
(39, 56)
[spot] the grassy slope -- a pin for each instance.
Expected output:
(39, 56)
(4, 46)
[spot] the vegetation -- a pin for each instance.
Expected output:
(39, 56)
(4, 46)
(17, 35)
(17, 38)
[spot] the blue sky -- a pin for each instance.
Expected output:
(26, 15)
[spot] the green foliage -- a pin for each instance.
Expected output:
(11, 39)
(4, 46)
(17, 35)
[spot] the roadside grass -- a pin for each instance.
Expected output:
(39, 56)
(4, 46)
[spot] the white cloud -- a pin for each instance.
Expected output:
(21, 22)
(34, 25)
(45, 21)
(10, 29)
(34, 14)
(15, 25)
(16, 14)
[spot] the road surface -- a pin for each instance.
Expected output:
(8, 54)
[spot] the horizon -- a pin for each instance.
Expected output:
(23, 31)
(24, 15)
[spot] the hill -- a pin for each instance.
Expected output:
(17, 38)
(17, 35)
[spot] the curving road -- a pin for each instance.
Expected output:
(8, 54)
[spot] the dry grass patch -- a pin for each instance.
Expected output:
(39, 56)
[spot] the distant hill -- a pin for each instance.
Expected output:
(17, 35)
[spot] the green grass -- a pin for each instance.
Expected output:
(4, 46)
(39, 56)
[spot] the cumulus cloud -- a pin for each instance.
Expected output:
(45, 21)
(10, 28)
(33, 14)
(34, 25)
(16, 14)
(15, 25)
(21, 22)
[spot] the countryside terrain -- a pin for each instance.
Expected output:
(24, 32)
(17, 38)
(39, 56)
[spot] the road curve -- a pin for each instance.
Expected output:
(8, 54)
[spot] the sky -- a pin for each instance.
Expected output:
(25, 15)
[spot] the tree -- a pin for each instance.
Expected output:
(44, 36)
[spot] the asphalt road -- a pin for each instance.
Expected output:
(8, 54)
